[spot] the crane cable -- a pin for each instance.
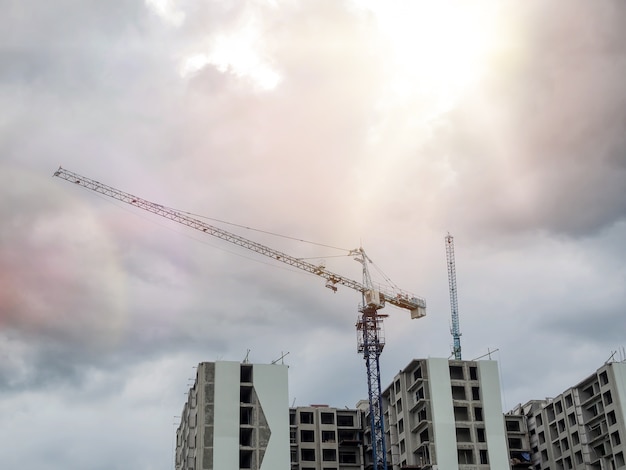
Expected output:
(259, 230)
(346, 254)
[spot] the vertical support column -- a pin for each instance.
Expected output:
(492, 414)
(454, 305)
(371, 343)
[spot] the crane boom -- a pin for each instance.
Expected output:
(394, 296)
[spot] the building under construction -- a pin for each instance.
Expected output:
(322, 438)
(445, 414)
(582, 428)
(438, 414)
(236, 417)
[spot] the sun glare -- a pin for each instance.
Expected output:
(434, 48)
(167, 11)
(238, 52)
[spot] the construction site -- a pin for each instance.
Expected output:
(436, 414)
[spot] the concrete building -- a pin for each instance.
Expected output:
(584, 427)
(236, 417)
(445, 414)
(518, 441)
(325, 438)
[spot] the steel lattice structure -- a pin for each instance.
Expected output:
(371, 342)
(454, 306)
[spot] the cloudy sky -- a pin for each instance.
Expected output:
(345, 123)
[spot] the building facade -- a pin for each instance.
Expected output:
(236, 417)
(325, 438)
(584, 427)
(445, 414)
(518, 441)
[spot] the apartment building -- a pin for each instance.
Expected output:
(446, 415)
(518, 441)
(325, 438)
(584, 427)
(236, 417)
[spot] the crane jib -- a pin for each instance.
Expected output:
(396, 297)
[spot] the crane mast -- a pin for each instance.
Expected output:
(374, 296)
(370, 343)
(454, 306)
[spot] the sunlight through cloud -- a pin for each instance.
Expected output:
(239, 53)
(167, 11)
(436, 49)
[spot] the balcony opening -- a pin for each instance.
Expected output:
(345, 420)
(463, 435)
(461, 413)
(245, 459)
(456, 373)
(513, 426)
(246, 373)
(465, 456)
(347, 457)
(307, 455)
(245, 415)
(329, 455)
(306, 417)
(327, 418)
(245, 437)
(458, 392)
(245, 394)
(604, 378)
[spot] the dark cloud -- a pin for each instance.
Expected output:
(29, 23)
(71, 48)
(600, 325)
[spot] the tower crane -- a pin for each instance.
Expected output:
(374, 296)
(454, 305)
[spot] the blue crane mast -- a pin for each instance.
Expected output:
(370, 342)
(374, 296)
(454, 306)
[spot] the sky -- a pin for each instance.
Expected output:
(336, 124)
